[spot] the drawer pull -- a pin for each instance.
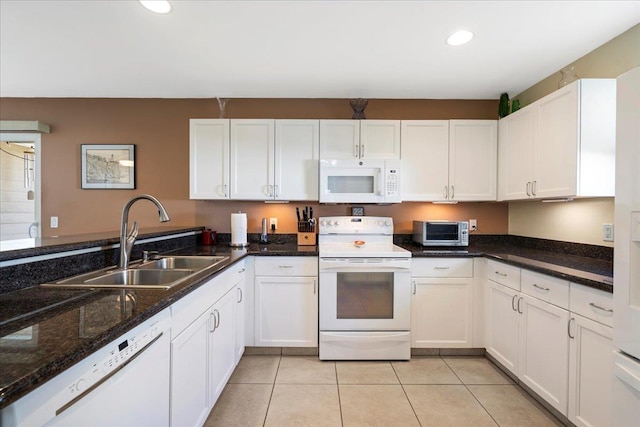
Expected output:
(242, 270)
(441, 268)
(501, 274)
(535, 285)
(608, 310)
(286, 266)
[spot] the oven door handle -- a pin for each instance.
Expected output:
(365, 268)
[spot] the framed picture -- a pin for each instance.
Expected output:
(108, 166)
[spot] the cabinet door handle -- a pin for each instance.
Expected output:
(519, 299)
(314, 287)
(212, 317)
(446, 192)
(414, 287)
(361, 151)
(226, 190)
(513, 302)
(569, 328)
(453, 193)
(217, 318)
(277, 190)
(594, 305)
(501, 274)
(356, 150)
(529, 189)
(535, 285)
(240, 292)
(534, 189)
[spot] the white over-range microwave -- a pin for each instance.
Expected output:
(360, 181)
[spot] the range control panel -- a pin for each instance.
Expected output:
(356, 225)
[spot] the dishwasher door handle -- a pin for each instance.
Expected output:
(105, 378)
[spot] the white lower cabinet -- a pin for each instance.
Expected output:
(544, 350)
(501, 321)
(590, 373)
(286, 302)
(442, 303)
(203, 348)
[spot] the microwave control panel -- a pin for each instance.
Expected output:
(392, 183)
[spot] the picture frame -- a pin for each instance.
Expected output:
(108, 166)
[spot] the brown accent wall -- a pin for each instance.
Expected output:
(160, 130)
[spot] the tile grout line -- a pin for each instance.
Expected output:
(470, 392)
(273, 386)
(335, 371)
(405, 393)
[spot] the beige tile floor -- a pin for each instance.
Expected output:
(425, 391)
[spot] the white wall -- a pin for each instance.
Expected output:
(579, 221)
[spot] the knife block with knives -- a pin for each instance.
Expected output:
(306, 227)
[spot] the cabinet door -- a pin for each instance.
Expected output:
(425, 160)
(209, 159)
(297, 151)
(544, 350)
(441, 313)
(252, 159)
(556, 154)
(502, 325)
(241, 308)
(380, 139)
(286, 311)
(222, 343)
(339, 139)
(190, 403)
(473, 158)
(590, 373)
(516, 134)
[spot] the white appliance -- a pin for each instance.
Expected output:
(360, 181)
(125, 383)
(364, 290)
(626, 263)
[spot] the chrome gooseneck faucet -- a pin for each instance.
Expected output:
(127, 240)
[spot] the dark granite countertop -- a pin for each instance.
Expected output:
(57, 328)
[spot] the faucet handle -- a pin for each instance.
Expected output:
(149, 255)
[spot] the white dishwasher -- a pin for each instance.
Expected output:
(125, 383)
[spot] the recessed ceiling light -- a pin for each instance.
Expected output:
(157, 6)
(460, 37)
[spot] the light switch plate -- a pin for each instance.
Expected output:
(607, 232)
(54, 222)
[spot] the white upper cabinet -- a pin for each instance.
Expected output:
(274, 159)
(297, 151)
(425, 159)
(252, 161)
(209, 159)
(473, 151)
(562, 145)
(449, 160)
(359, 139)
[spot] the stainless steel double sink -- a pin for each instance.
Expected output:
(163, 272)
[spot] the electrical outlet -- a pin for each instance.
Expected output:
(473, 224)
(54, 222)
(607, 232)
(273, 224)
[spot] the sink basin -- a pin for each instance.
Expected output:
(161, 273)
(183, 262)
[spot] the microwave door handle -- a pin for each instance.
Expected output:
(380, 183)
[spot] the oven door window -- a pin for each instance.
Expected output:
(363, 295)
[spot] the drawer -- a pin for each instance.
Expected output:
(234, 273)
(442, 267)
(504, 274)
(286, 266)
(591, 303)
(546, 288)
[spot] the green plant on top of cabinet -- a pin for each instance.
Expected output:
(449, 160)
(359, 139)
(562, 145)
(274, 159)
(209, 159)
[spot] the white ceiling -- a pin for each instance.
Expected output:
(296, 49)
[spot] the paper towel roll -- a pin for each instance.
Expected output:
(238, 229)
